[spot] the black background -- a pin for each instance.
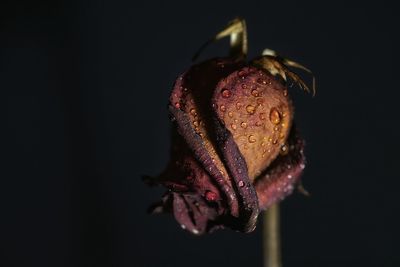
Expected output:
(84, 87)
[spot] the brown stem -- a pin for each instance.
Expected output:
(271, 237)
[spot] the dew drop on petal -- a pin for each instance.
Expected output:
(238, 105)
(242, 74)
(275, 116)
(254, 92)
(241, 183)
(252, 139)
(260, 101)
(243, 125)
(222, 108)
(211, 196)
(284, 149)
(250, 109)
(233, 126)
(226, 93)
(196, 232)
(261, 81)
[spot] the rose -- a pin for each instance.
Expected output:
(235, 150)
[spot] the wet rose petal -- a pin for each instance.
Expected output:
(233, 141)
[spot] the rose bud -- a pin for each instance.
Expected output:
(235, 149)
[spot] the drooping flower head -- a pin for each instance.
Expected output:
(235, 150)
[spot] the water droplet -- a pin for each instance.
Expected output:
(252, 139)
(193, 112)
(196, 232)
(196, 123)
(275, 142)
(183, 226)
(243, 125)
(244, 86)
(284, 149)
(230, 114)
(222, 108)
(242, 74)
(239, 170)
(289, 176)
(250, 109)
(260, 101)
(263, 144)
(254, 92)
(241, 183)
(285, 92)
(302, 166)
(211, 196)
(270, 139)
(178, 105)
(233, 126)
(226, 93)
(261, 81)
(238, 105)
(275, 116)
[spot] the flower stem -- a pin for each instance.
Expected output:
(271, 237)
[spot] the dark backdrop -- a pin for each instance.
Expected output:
(84, 87)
